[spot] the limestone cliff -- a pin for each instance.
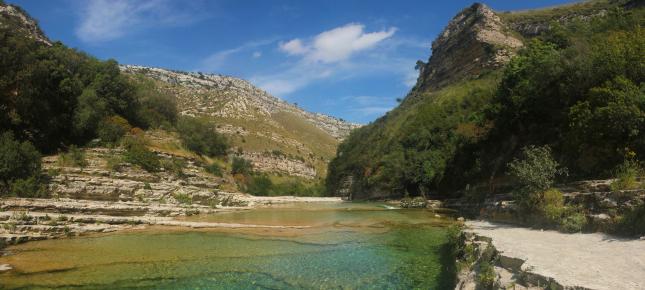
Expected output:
(475, 40)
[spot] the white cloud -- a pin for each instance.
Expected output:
(217, 60)
(325, 55)
(337, 44)
(104, 20)
(369, 106)
(411, 78)
(293, 47)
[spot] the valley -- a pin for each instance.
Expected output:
(515, 161)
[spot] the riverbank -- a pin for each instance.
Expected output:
(521, 256)
(28, 219)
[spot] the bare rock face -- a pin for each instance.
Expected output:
(475, 40)
(15, 17)
(130, 183)
(266, 162)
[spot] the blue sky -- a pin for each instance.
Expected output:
(349, 59)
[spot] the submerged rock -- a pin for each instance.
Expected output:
(417, 202)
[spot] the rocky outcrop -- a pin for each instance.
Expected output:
(474, 41)
(98, 182)
(482, 266)
(267, 162)
(16, 17)
(514, 257)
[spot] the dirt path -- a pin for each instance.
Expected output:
(594, 261)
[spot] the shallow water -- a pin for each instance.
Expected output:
(346, 246)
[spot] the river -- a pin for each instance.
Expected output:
(333, 246)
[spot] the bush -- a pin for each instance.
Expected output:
(174, 166)
(112, 129)
(241, 166)
(137, 153)
(17, 161)
(183, 198)
(32, 187)
(73, 157)
(158, 108)
(214, 169)
(260, 185)
(553, 206)
(114, 163)
(626, 175)
(200, 136)
(573, 222)
(632, 223)
(535, 172)
(486, 277)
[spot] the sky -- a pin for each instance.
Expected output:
(349, 59)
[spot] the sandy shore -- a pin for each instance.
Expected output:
(594, 261)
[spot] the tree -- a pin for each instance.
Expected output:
(535, 172)
(18, 160)
(111, 129)
(200, 136)
(241, 166)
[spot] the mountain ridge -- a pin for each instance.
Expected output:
(438, 140)
(336, 127)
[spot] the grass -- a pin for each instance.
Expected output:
(74, 157)
(183, 198)
(554, 13)
(627, 176)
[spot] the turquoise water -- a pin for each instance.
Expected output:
(345, 246)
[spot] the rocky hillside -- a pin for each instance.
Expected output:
(469, 113)
(474, 41)
(14, 16)
(275, 135)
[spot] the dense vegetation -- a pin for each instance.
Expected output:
(55, 98)
(200, 136)
(577, 89)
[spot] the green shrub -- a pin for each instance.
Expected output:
(454, 233)
(183, 198)
(158, 107)
(73, 157)
(112, 129)
(114, 163)
(260, 185)
(535, 172)
(553, 206)
(18, 160)
(626, 175)
(632, 223)
(241, 166)
(573, 222)
(486, 277)
(137, 153)
(29, 187)
(214, 169)
(174, 166)
(200, 136)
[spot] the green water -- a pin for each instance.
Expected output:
(347, 246)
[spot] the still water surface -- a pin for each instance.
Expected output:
(341, 246)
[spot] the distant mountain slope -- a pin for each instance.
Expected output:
(275, 135)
